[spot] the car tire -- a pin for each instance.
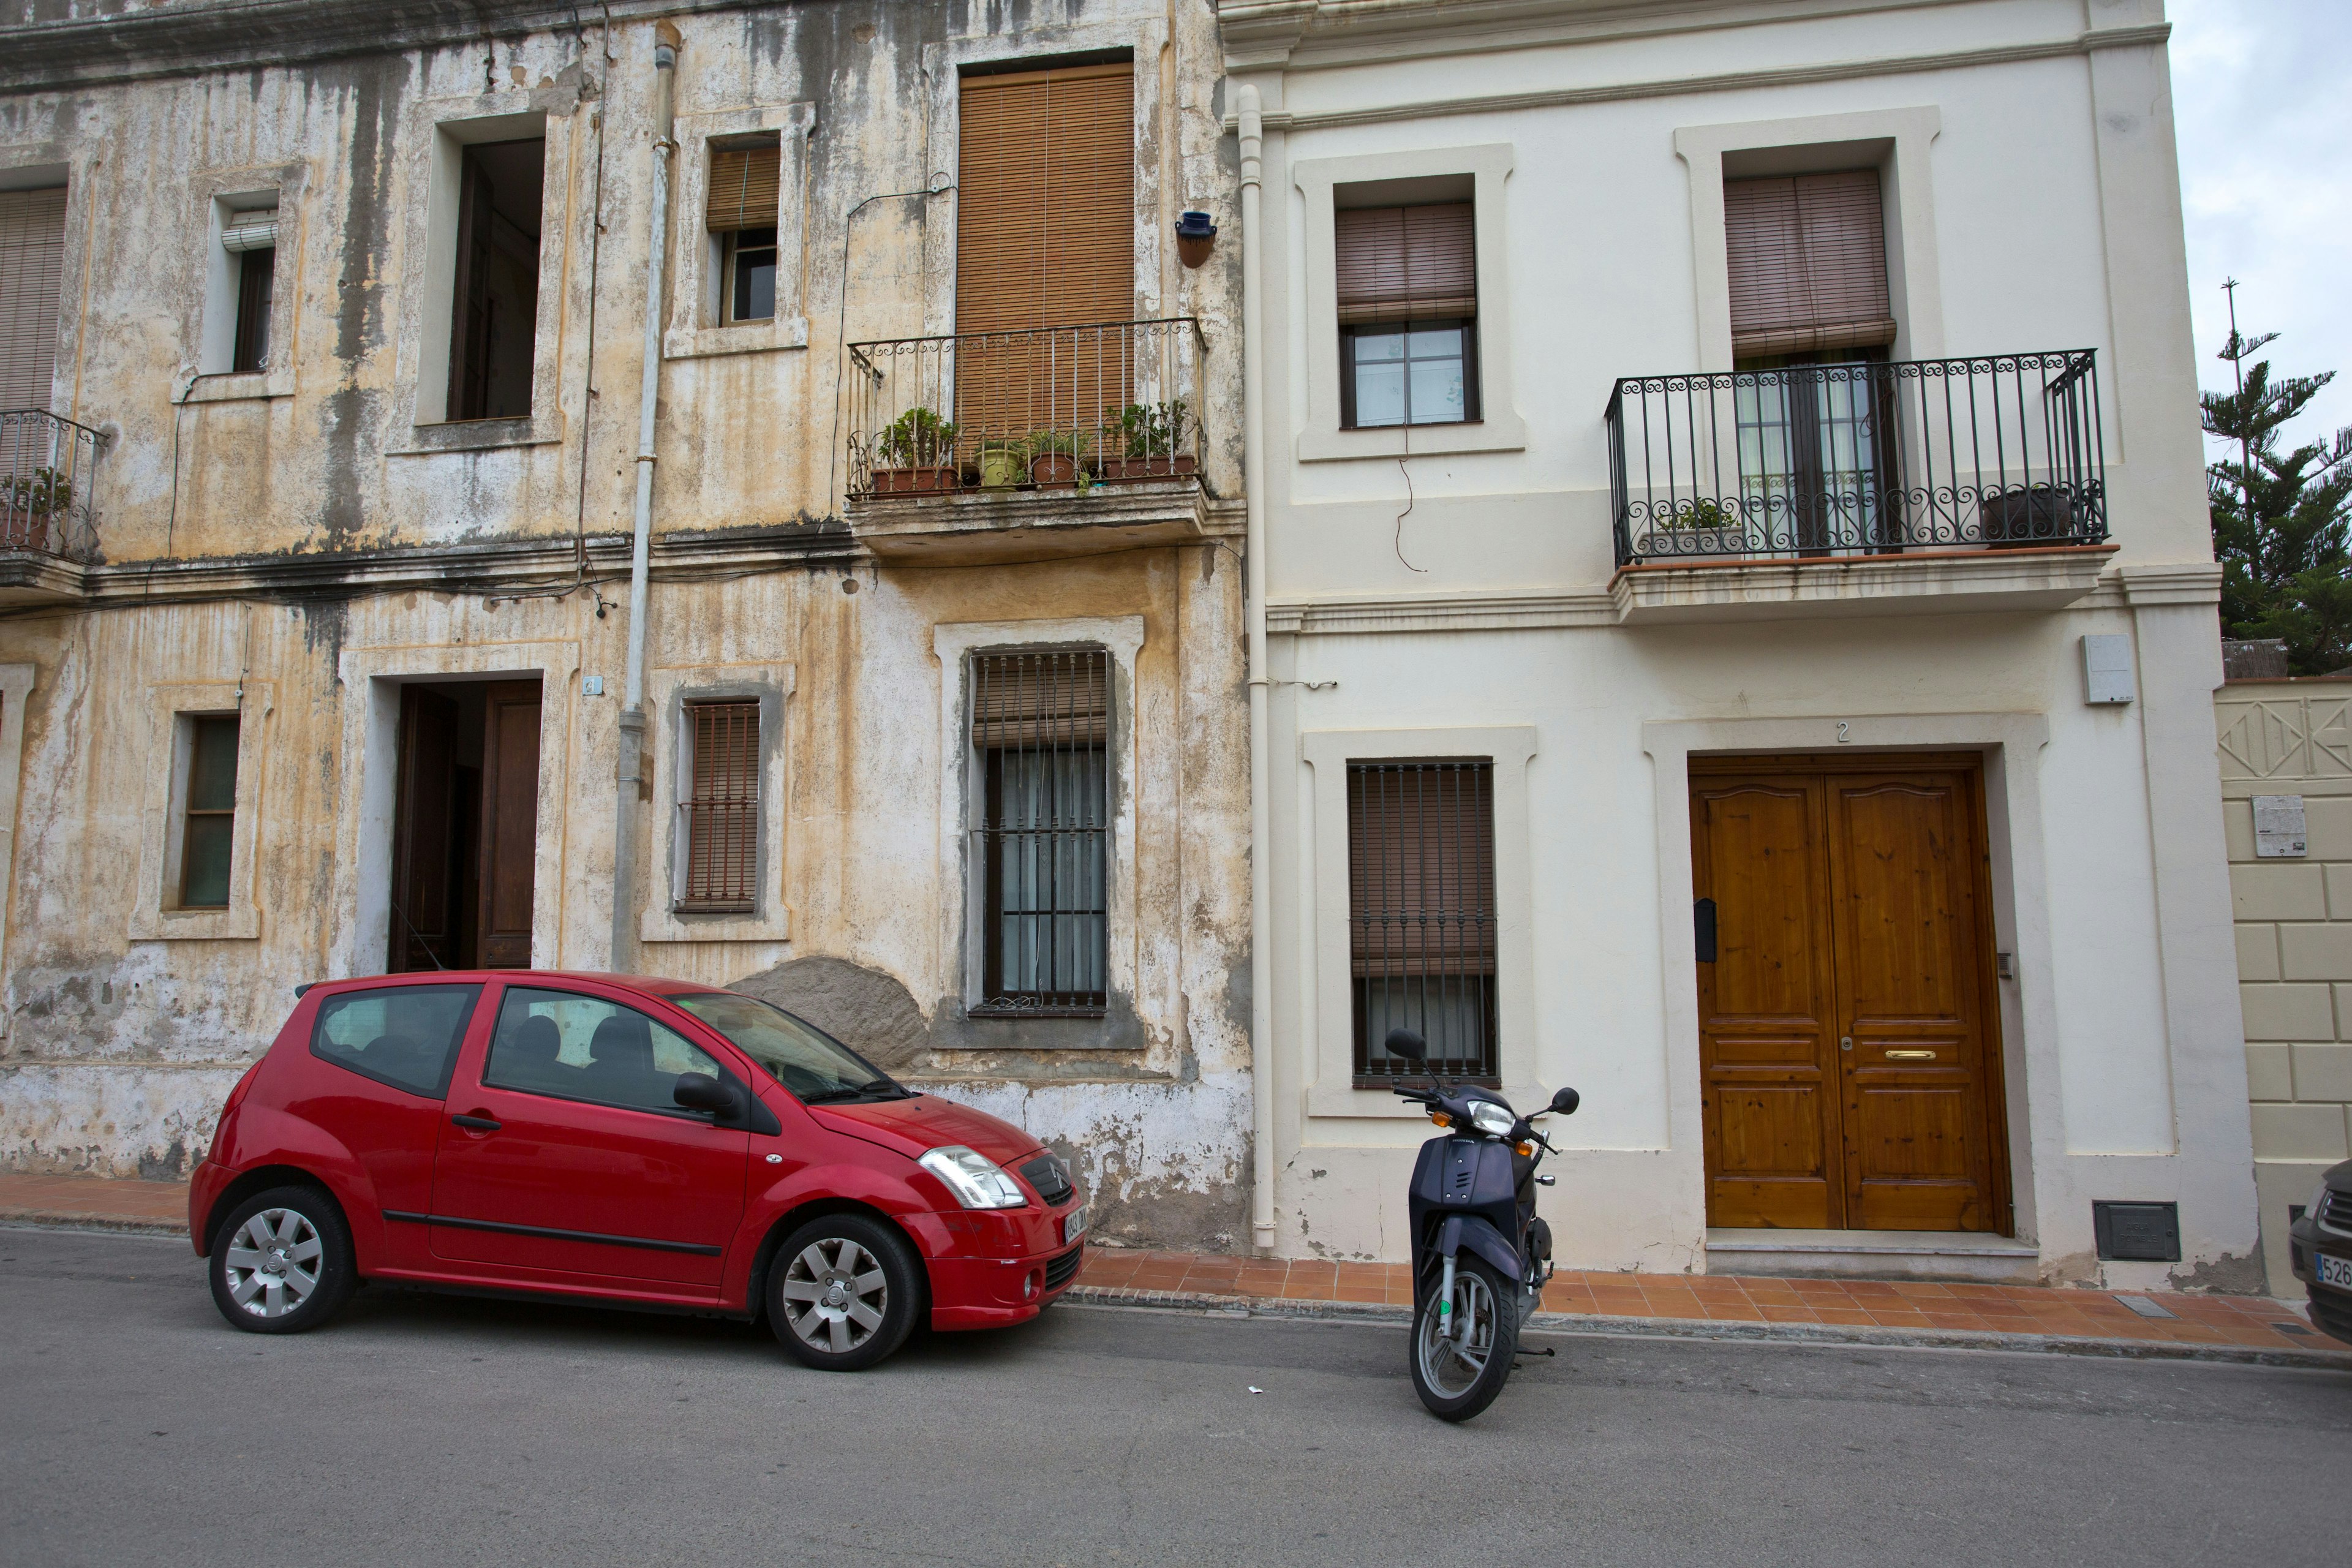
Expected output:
(281, 1263)
(844, 1291)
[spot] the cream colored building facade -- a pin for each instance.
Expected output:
(2292, 740)
(384, 506)
(1602, 651)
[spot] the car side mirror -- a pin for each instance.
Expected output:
(1564, 1101)
(1406, 1044)
(700, 1091)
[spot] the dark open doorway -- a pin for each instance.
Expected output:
(495, 320)
(465, 825)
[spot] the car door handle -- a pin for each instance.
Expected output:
(476, 1123)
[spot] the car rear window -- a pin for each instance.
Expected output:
(406, 1036)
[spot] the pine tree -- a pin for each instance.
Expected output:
(2280, 519)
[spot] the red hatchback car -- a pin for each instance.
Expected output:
(628, 1139)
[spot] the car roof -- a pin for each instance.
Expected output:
(652, 984)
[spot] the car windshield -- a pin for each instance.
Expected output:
(803, 1057)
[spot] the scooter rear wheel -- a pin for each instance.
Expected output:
(1460, 1362)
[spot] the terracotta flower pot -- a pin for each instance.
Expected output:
(1167, 465)
(930, 479)
(1053, 469)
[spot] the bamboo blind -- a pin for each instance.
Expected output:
(32, 265)
(1421, 868)
(722, 806)
(1406, 264)
(1030, 700)
(744, 182)
(1808, 257)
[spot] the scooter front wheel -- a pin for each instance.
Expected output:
(1460, 1358)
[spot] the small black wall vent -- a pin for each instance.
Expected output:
(2138, 1233)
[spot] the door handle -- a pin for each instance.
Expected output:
(1845, 1042)
(1910, 1056)
(476, 1123)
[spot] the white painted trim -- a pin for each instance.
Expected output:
(669, 690)
(1499, 428)
(16, 683)
(156, 915)
(370, 680)
(1913, 270)
(695, 328)
(1330, 1061)
(1122, 637)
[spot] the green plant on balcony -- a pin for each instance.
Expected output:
(44, 492)
(918, 439)
(1150, 437)
(1705, 512)
(1058, 456)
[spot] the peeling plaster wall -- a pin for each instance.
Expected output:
(119, 1047)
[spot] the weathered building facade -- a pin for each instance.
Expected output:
(360, 347)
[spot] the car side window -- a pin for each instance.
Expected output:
(404, 1035)
(584, 1047)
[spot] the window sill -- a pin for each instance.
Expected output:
(1497, 432)
(743, 338)
(715, 926)
(241, 386)
(231, 924)
(479, 436)
(984, 1010)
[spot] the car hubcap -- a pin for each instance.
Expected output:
(836, 1294)
(272, 1263)
(1454, 1356)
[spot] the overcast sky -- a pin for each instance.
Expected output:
(2262, 95)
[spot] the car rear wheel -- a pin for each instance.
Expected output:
(844, 1291)
(282, 1262)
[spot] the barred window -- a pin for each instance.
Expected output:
(1041, 729)
(1420, 914)
(718, 809)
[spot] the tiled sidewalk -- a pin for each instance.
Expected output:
(2250, 1321)
(1690, 1301)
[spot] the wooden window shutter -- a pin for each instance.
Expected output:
(1045, 199)
(1406, 264)
(722, 806)
(1808, 257)
(743, 185)
(1029, 700)
(32, 266)
(1421, 868)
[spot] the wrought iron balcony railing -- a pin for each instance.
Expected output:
(1824, 460)
(1056, 408)
(47, 468)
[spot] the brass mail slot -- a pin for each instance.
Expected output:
(1910, 1056)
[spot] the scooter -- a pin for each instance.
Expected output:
(1480, 1254)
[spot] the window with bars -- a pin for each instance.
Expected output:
(1420, 914)
(718, 808)
(1041, 839)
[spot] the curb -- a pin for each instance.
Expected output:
(1589, 1325)
(121, 1224)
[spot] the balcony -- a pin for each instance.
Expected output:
(1030, 445)
(1957, 484)
(48, 521)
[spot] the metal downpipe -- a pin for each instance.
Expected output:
(1253, 131)
(629, 781)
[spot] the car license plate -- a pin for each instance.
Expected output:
(2336, 1271)
(1073, 1225)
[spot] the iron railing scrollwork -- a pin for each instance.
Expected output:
(2000, 452)
(1054, 408)
(49, 471)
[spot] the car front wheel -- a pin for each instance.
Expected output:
(282, 1262)
(844, 1291)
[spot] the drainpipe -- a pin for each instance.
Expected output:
(630, 779)
(1253, 130)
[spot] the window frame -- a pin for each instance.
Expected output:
(191, 759)
(158, 914)
(1466, 326)
(690, 742)
(213, 301)
(697, 324)
(730, 277)
(668, 692)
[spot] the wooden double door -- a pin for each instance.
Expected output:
(1848, 1032)
(466, 827)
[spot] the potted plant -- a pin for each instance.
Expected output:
(1003, 463)
(1150, 435)
(1056, 458)
(1702, 527)
(916, 455)
(29, 504)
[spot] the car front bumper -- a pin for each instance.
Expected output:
(2331, 1308)
(994, 1267)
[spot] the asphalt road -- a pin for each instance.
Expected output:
(135, 1426)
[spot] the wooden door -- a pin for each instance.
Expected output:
(509, 823)
(1848, 1048)
(424, 911)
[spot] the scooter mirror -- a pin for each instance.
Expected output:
(1406, 1044)
(1565, 1101)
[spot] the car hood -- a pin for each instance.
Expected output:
(925, 1122)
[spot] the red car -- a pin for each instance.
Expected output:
(628, 1139)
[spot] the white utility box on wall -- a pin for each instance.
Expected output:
(2107, 667)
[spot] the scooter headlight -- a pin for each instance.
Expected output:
(1493, 1119)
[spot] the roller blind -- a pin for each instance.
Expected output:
(1808, 257)
(1029, 700)
(743, 186)
(32, 264)
(1397, 264)
(1045, 199)
(1421, 868)
(722, 806)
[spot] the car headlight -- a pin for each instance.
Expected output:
(1488, 1117)
(977, 1181)
(2318, 1204)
